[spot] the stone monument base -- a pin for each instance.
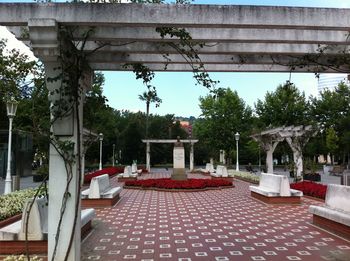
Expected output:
(179, 174)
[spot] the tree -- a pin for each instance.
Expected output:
(284, 107)
(222, 116)
(14, 71)
(150, 97)
(332, 142)
(332, 111)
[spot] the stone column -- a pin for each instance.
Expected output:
(270, 148)
(191, 157)
(148, 156)
(64, 129)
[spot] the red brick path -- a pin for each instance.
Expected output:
(222, 224)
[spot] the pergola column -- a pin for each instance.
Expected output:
(64, 130)
(270, 148)
(191, 157)
(148, 156)
(63, 218)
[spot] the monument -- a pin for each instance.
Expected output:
(179, 172)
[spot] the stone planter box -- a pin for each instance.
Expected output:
(10, 220)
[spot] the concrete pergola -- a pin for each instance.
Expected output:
(148, 149)
(296, 137)
(236, 38)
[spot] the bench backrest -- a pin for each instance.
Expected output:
(221, 171)
(98, 185)
(338, 197)
(38, 219)
(207, 167)
(133, 168)
(275, 183)
(127, 171)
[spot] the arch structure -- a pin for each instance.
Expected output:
(296, 137)
(233, 38)
(148, 149)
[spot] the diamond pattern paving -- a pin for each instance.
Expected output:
(220, 225)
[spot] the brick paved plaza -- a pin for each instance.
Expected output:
(222, 224)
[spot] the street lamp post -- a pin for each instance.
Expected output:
(113, 155)
(11, 106)
(100, 136)
(237, 139)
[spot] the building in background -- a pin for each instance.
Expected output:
(328, 81)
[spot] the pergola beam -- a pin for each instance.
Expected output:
(250, 35)
(210, 68)
(209, 48)
(225, 16)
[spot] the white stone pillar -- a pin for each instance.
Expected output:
(64, 129)
(148, 156)
(270, 148)
(191, 157)
(223, 157)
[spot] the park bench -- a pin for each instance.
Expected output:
(221, 171)
(100, 193)
(275, 189)
(209, 168)
(13, 235)
(127, 174)
(337, 170)
(334, 216)
(134, 169)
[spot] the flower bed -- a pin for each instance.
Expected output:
(12, 204)
(246, 176)
(178, 184)
(311, 189)
(110, 171)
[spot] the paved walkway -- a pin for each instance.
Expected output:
(222, 224)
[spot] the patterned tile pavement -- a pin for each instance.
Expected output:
(218, 225)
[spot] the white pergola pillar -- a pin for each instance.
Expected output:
(64, 129)
(191, 157)
(270, 148)
(148, 156)
(297, 155)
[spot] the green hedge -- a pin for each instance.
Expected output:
(12, 204)
(246, 176)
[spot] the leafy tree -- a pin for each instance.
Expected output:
(332, 141)
(14, 71)
(223, 115)
(332, 111)
(150, 97)
(284, 107)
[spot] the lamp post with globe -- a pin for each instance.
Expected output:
(11, 106)
(237, 139)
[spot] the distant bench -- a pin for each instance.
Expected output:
(334, 216)
(337, 170)
(100, 193)
(275, 189)
(221, 172)
(12, 236)
(128, 174)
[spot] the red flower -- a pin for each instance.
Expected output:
(310, 188)
(110, 171)
(178, 184)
